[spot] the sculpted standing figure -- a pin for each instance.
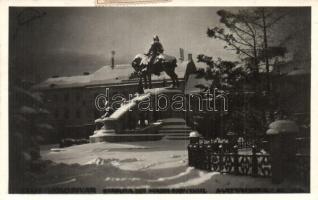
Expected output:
(108, 110)
(155, 49)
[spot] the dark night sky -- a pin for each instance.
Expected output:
(69, 41)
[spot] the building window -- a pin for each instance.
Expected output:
(56, 114)
(95, 95)
(55, 98)
(78, 114)
(78, 96)
(66, 97)
(66, 113)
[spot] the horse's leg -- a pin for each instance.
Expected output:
(149, 79)
(176, 79)
(170, 71)
(175, 76)
(173, 81)
(170, 74)
(145, 80)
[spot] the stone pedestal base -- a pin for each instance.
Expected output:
(124, 137)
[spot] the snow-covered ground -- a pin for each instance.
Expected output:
(148, 165)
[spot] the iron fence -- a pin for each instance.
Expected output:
(229, 158)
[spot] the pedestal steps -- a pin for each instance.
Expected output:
(174, 129)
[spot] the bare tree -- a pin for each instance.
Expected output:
(246, 32)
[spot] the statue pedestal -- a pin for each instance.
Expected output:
(100, 134)
(149, 133)
(130, 123)
(282, 148)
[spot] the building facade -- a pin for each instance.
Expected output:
(72, 100)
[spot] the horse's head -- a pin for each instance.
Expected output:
(139, 62)
(136, 63)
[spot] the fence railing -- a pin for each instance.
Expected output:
(225, 158)
(227, 145)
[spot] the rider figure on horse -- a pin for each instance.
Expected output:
(155, 49)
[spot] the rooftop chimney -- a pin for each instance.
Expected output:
(113, 60)
(190, 57)
(181, 54)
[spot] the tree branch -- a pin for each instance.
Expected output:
(243, 39)
(276, 20)
(240, 49)
(243, 31)
(243, 43)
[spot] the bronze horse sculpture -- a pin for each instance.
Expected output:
(161, 63)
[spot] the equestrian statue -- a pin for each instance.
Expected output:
(155, 62)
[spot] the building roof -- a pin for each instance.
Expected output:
(63, 82)
(103, 76)
(301, 66)
(108, 75)
(298, 72)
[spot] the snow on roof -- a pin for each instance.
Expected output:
(105, 75)
(292, 66)
(298, 72)
(282, 126)
(63, 82)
